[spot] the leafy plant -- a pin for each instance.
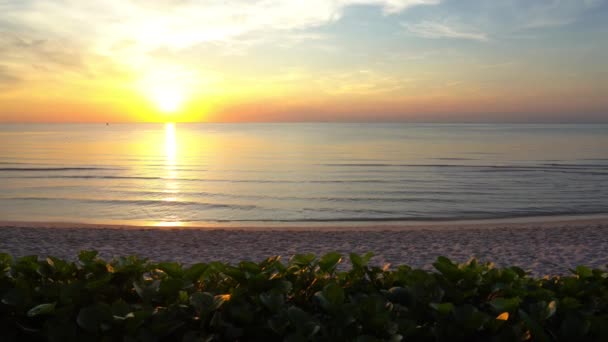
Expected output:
(306, 298)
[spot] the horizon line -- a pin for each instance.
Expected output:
(311, 122)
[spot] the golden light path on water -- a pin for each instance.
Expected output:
(171, 186)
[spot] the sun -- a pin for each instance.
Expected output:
(167, 98)
(166, 88)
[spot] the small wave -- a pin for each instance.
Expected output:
(373, 199)
(478, 216)
(140, 202)
(587, 169)
(564, 171)
(473, 166)
(365, 165)
(45, 169)
(577, 166)
(260, 181)
(89, 177)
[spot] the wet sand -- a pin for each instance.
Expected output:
(541, 247)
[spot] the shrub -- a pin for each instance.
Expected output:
(308, 298)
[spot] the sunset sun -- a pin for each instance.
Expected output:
(167, 98)
(166, 89)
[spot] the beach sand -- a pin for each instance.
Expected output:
(539, 246)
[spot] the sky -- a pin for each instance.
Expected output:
(291, 61)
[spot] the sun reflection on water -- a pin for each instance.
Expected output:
(170, 145)
(170, 182)
(169, 224)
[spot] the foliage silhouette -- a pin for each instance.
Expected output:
(307, 298)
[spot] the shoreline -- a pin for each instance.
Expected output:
(540, 247)
(498, 223)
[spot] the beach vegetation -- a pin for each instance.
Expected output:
(306, 298)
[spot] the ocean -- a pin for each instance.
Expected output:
(264, 174)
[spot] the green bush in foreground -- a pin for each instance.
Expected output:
(132, 299)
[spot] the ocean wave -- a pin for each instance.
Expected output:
(548, 166)
(155, 203)
(437, 218)
(46, 169)
(261, 181)
(87, 177)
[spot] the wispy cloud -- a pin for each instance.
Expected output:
(183, 23)
(6, 77)
(549, 14)
(438, 30)
(361, 82)
(131, 32)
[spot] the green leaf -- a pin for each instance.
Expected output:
(99, 283)
(573, 327)
(235, 273)
(42, 309)
(295, 338)
(360, 261)
(506, 304)
(5, 259)
(400, 295)
(87, 256)
(520, 272)
(298, 316)
(13, 297)
(334, 293)
(146, 290)
(305, 324)
(302, 259)
(537, 332)
(183, 297)
(367, 338)
(279, 323)
(442, 308)
(170, 287)
(202, 301)
(356, 260)
(583, 272)
(120, 308)
(272, 262)
(90, 318)
(569, 303)
(329, 261)
(272, 300)
(367, 257)
(447, 268)
(195, 271)
(173, 269)
(250, 267)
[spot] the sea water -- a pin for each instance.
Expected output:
(256, 174)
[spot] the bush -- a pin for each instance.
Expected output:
(133, 299)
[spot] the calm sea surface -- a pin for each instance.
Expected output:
(196, 174)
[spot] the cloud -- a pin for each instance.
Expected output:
(28, 52)
(437, 30)
(361, 82)
(390, 6)
(549, 14)
(180, 23)
(7, 78)
(142, 35)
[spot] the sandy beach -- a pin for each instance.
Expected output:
(539, 246)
